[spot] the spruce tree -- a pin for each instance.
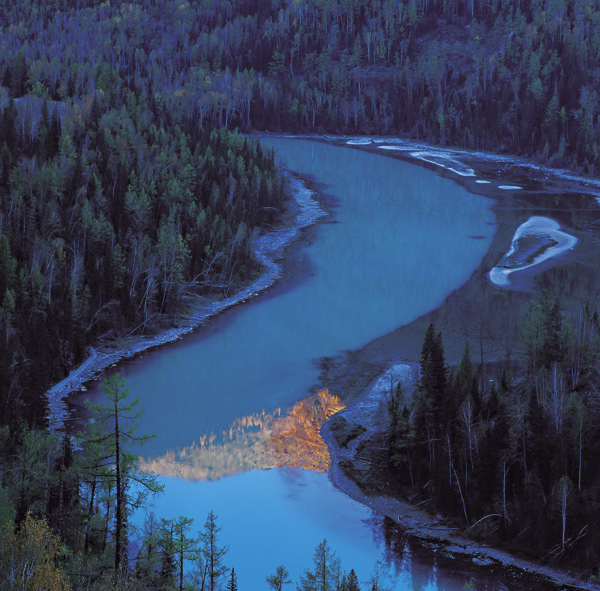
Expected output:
(432, 405)
(352, 581)
(232, 581)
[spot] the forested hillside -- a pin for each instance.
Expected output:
(514, 76)
(118, 207)
(520, 77)
(118, 202)
(127, 193)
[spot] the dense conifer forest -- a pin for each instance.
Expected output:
(515, 462)
(127, 193)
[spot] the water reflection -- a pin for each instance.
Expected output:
(401, 244)
(415, 566)
(279, 516)
(256, 442)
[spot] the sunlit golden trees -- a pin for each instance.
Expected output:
(28, 558)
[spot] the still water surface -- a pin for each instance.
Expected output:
(279, 516)
(401, 242)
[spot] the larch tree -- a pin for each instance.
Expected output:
(280, 578)
(119, 438)
(325, 573)
(185, 547)
(213, 554)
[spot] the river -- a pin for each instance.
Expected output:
(397, 239)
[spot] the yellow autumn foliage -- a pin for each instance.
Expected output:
(27, 558)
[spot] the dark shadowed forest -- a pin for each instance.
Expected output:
(130, 192)
(514, 462)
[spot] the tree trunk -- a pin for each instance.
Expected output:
(119, 500)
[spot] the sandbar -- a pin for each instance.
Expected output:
(397, 148)
(445, 162)
(438, 158)
(360, 141)
(535, 241)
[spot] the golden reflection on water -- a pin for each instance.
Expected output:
(256, 442)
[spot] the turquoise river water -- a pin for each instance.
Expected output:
(401, 240)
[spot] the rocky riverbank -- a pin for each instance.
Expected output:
(268, 249)
(356, 437)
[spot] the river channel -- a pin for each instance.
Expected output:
(395, 241)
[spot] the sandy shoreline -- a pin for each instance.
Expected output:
(463, 163)
(268, 248)
(535, 241)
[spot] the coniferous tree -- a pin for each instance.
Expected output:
(432, 404)
(352, 581)
(280, 578)
(232, 581)
(325, 570)
(118, 417)
(185, 548)
(213, 553)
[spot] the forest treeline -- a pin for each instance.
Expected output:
(507, 75)
(515, 462)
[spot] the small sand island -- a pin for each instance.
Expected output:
(536, 240)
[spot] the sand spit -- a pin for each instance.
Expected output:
(535, 241)
(397, 148)
(359, 141)
(585, 184)
(438, 158)
(445, 161)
